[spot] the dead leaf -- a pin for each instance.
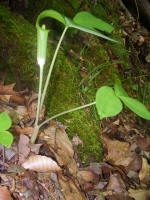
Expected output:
(144, 173)
(4, 193)
(69, 189)
(61, 147)
(116, 151)
(32, 108)
(17, 99)
(23, 147)
(25, 131)
(8, 89)
(139, 194)
(144, 143)
(40, 163)
(76, 141)
(86, 176)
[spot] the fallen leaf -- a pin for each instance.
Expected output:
(116, 184)
(69, 189)
(86, 176)
(25, 131)
(76, 140)
(144, 173)
(144, 143)
(4, 193)
(40, 163)
(117, 151)
(17, 99)
(23, 147)
(139, 194)
(7, 89)
(61, 147)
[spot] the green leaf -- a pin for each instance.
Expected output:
(5, 121)
(6, 138)
(119, 91)
(89, 21)
(50, 13)
(136, 106)
(107, 103)
(70, 23)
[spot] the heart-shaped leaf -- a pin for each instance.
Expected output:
(6, 138)
(107, 103)
(119, 91)
(136, 106)
(5, 121)
(89, 21)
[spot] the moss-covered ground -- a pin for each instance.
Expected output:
(76, 77)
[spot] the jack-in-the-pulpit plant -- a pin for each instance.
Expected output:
(108, 100)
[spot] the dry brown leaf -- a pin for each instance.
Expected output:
(32, 107)
(7, 89)
(17, 99)
(23, 147)
(5, 98)
(61, 146)
(116, 184)
(144, 143)
(144, 174)
(86, 176)
(139, 194)
(69, 189)
(117, 151)
(40, 163)
(4, 193)
(25, 131)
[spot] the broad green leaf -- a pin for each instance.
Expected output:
(136, 106)
(89, 21)
(6, 138)
(5, 121)
(70, 23)
(50, 13)
(107, 103)
(119, 91)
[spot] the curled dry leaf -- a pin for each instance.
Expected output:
(86, 176)
(40, 163)
(4, 193)
(118, 152)
(144, 174)
(26, 130)
(69, 189)
(61, 146)
(23, 147)
(139, 194)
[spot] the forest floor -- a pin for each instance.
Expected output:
(81, 157)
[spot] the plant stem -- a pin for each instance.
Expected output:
(65, 112)
(35, 130)
(39, 94)
(51, 67)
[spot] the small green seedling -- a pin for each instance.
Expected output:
(6, 138)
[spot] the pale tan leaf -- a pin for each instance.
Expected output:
(40, 163)
(144, 172)
(4, 193)
(139, 194)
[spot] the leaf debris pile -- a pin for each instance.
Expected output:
(49, 169)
